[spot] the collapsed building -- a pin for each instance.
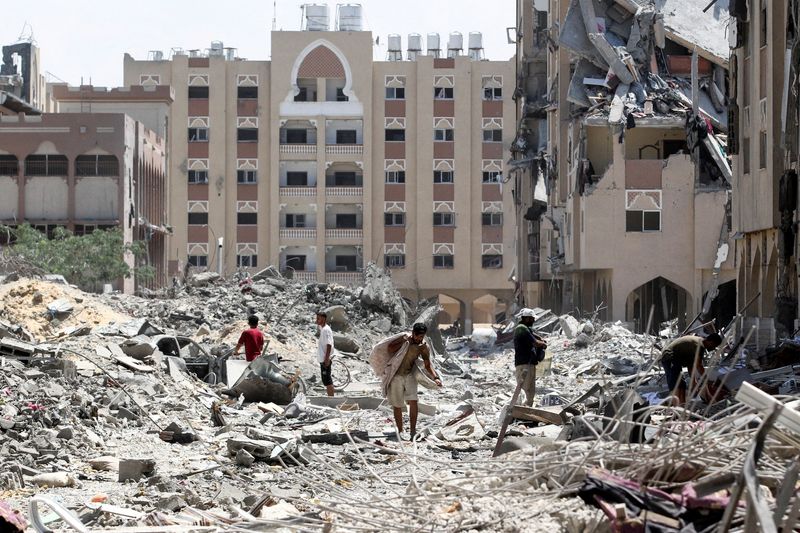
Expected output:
(622, 173)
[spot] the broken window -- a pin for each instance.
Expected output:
(492, 176)
(247, 219)
(395, 93)
(492, 136)
(247, 93)
(444, 219)
(345, 136)
(442, 135)
(492, 93)
(9, 165)
(492, 219)
(296, 220)
(395, 176)
(198, 135)
(198, 176)
(443, 261)
(96, 165)
(246, 261)
(46, 165)
(247, 134)
(297, 178)
(198, 219)
(346, 263)
(200, 261)
(394, 260)
(443, 93)
(642, 221)
(491, 261)
(346, 221)
(246, 176)
(674, 146)
(443, 176)
(394, 219)
(296, 262)
(395, 135)
(296, 136)
(198, 92)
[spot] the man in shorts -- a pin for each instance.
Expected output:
(403, 386)
(686, 352)
(325, 351)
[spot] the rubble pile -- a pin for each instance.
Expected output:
(130, 423)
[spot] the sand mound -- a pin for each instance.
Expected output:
(25, 302)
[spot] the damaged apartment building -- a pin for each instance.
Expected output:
(624, 207)
(764, 126)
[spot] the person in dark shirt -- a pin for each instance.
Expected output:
(528, 350)
(252, 339)
(686, 352)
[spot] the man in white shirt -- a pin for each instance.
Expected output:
(325, 351)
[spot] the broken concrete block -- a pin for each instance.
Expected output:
(261, 449)
(127, 414)
(569, 325)
(135, 469)
(588, 328)
(54, 479)
(65, 433)
(269, 272)
(104, 464)
(202, 279)
(612, 57)
(138, 347)
(244, 458)
(172, 503)
(337, 317)
(582, 340)
(380, 292)
(60, 307)
(343, 343)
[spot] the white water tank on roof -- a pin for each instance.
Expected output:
(433, 45)
(455, 44)
(315, 17)
(216, 48)
(349, 16)
(414, 46)
(395, 48)
(475, 45)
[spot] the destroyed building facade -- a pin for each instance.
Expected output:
(85, 172)
(322, 159)
(635, 173)
(764, 108)
(22, 82)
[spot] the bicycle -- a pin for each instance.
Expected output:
(340, 374)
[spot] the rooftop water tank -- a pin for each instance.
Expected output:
(315, 17)
(216, 48)
(455, 44)
(433, 45)
(475, 43)
(414, 46)
(349, 16)
(395, 49)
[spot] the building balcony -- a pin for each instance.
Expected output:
(344, 191)
(345, 278)
(303, 276)
(298, 233)
(298, 191)
(344, 149)
(344, 233)
(298, 149)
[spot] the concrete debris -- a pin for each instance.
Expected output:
(167, 441)
(379, 292)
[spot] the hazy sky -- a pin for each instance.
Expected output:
(87, 38)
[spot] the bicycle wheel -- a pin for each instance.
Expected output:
(298, 385)
(340, 375)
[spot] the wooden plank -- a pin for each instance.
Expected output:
(546, 415)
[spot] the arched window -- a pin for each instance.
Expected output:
(46, 165)
(96, 165)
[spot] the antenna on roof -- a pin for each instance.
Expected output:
(274, 15)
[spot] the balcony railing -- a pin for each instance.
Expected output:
(341, 233)
(298, 233)
(298, 148)
(303, 276)
(344, 191)
(298, 191)
(344, 149)
(345, 278)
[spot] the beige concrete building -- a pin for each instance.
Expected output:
(86, 172)
(632, 222)
(323, 159)
(764, 106)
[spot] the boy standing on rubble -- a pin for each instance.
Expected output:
(325, 351)
(686, 352)
(528, 351)
(252, 339)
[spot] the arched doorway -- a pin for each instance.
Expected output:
(451, 317)
(667, 300)
(485, 310)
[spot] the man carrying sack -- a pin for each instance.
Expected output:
(529, 349)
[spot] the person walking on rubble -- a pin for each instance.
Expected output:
(529, 349)
(686, 352)
(252, 339)
(325, 351)
(395, 361)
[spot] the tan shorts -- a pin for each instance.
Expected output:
(402, 389)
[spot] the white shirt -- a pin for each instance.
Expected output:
(325, 338)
